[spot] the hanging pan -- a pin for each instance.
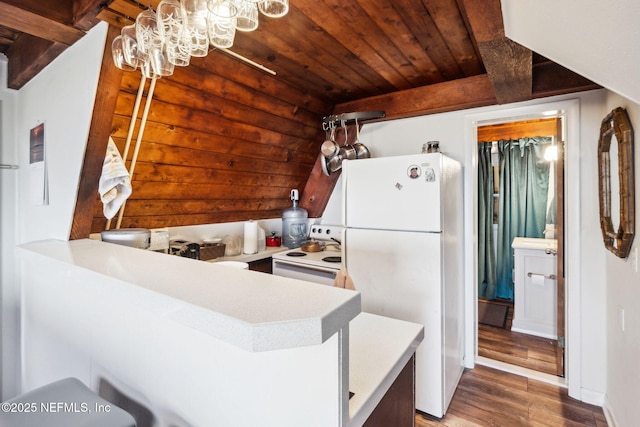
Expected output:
(329, 147)
(362, 152)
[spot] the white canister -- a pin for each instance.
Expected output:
(250, 237)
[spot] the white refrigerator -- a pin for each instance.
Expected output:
(403, 248)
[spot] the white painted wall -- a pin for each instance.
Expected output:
(622, 285)
(62, 96)
(8, 224)
(406, 136)
(595, 38)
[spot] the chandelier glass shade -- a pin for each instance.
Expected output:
(180, 29)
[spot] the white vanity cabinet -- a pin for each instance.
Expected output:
(535, 287)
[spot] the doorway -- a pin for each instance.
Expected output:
(520, 194)
(569, 110)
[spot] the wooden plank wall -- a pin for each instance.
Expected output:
(521, 129)
(223, 142)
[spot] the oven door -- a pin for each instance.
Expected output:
(310, 273)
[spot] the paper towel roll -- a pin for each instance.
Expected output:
(537, 279)
(250, 237)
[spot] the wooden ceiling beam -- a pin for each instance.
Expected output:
(28, 55)
(551, 79)
(461, 94)
(85, 13)
(28, 22)
(56, 10)
(508, 64)
(47, 28)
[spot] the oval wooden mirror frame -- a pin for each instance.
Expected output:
(617, 123)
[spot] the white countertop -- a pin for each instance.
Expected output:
(248, 309)
(534, 243)
(379, 348)
(269, 251)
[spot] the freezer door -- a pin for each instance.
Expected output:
(393, 193)
(398, 275)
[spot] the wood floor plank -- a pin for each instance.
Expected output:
(483, 373)
(547, 400)
(488, 397)
(550, 421)
(516, 348)
(484, 410)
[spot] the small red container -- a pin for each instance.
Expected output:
(274, 241)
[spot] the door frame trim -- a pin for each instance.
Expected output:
(570, 110)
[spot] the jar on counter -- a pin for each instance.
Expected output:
(233, 245)
(431, 147)
(294, 224)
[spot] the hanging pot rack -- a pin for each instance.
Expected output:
(331, 153)
(345, 118)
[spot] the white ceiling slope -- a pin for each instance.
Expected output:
(598, 39)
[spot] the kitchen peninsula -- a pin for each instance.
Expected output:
(202, 343)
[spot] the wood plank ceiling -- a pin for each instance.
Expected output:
(406, 57)
(333, 50)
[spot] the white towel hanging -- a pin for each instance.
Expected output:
(115, 182)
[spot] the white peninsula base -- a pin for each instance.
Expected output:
(201, 345)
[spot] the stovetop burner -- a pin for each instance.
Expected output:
(296, 254)
(332, 259)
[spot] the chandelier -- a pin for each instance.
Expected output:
(180, 29)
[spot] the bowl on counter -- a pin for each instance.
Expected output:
(133, 237)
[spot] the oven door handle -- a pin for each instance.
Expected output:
(307, 267)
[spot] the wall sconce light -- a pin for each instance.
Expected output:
(551, 152)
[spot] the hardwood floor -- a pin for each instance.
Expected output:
(516, 348)
(487, 397)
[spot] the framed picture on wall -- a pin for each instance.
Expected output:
(38, 179)
(36, 144)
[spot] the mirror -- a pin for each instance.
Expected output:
(616, 182)
(614, 179)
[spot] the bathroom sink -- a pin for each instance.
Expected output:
(534, 243)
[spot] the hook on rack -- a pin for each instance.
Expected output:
(345, 118)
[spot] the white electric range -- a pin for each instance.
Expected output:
(318, 267)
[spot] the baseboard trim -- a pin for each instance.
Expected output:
(608, 414)
(592, 397)
(523, 372)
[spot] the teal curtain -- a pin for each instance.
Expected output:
(486, 249)
(524, 186)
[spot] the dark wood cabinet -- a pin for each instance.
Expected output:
(263, 265)
(397, 407)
